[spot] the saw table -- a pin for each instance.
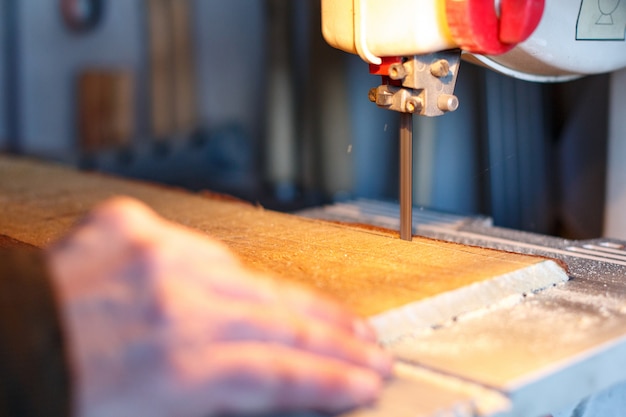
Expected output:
(544, 351)
(476, 331)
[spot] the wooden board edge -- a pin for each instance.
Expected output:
(449, 306)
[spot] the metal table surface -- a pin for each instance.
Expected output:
(527, 355)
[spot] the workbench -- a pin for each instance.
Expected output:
(476, 331)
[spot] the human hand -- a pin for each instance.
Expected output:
(162, 321)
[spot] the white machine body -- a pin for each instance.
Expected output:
(379, 28)
(574, 37)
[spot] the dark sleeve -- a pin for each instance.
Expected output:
(34, 378)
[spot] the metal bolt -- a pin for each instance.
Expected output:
(447, 102)
(371, 95)
(440, 68)
(397, 72)
(384, 99)
(413, 105)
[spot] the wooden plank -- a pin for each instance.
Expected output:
(7, 242)
(370, 270)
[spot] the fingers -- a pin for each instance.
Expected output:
(124, 216)
(240, 341)
(136, 222)
(263, 292)
(126, 231)
(312, 304)
(242, 284)
(279, 312)
(244, 378)
(238, 321)
(123, 229)
(110, 227)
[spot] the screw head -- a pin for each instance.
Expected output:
(397, 71)
(413, 105)
(384, 98)
(447, 102)
(371, 95)
(440, 68)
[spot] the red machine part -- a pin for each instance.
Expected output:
(476, 26)
(383, 69)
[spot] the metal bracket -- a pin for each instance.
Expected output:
(427, 85)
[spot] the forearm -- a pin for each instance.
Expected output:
(34, 377)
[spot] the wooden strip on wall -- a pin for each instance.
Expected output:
(105, 109)
(185, 112)
(161, 68)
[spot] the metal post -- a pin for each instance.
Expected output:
(406, 176)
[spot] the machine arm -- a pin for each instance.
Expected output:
(415, 46)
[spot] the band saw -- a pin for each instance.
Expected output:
(554, 347)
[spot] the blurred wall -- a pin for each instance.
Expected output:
(231, 59)
(229, 55)
(51, 57)
(3, 80)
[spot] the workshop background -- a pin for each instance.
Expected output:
(245, 97)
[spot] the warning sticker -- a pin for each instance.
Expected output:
(601, 20)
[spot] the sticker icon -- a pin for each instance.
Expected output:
(607, 8)
(601, 20)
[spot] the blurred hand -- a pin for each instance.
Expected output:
(162, 321)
